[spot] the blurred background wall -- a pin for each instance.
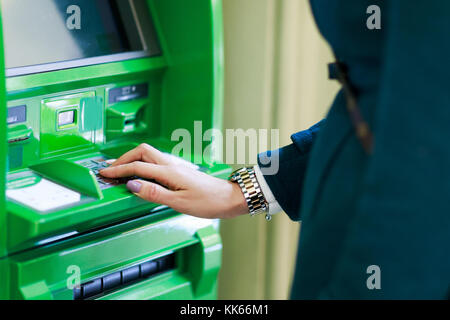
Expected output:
(276, 77)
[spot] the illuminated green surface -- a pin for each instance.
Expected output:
(43, 271)
(115, 229)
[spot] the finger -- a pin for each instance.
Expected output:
(152, 192)
(143, 152)
(140, 169)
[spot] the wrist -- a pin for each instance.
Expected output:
(246, 179)
(235, 202)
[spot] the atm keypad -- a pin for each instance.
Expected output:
(97, 164)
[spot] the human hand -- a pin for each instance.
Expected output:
(180, 185)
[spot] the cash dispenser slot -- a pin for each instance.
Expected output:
(125, 262)
(123, 278)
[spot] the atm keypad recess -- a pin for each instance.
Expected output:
(98, 163)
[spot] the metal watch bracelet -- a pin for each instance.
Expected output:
(256, 202)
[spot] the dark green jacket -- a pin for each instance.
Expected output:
(390, 209)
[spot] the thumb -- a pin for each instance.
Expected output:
(151, 192)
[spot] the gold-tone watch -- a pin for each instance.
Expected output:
(256, 201)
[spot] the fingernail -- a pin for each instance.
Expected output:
(134, 186)
(103, 170)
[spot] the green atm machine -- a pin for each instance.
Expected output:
(81, 82)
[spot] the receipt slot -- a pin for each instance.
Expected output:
(74, 95)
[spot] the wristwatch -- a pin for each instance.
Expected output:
(256, 201)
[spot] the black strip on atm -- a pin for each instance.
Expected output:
(124, 277)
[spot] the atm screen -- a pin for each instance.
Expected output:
(40, 35)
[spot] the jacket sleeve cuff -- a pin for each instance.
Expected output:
(274, 206)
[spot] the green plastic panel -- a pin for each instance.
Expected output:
(45, 273)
